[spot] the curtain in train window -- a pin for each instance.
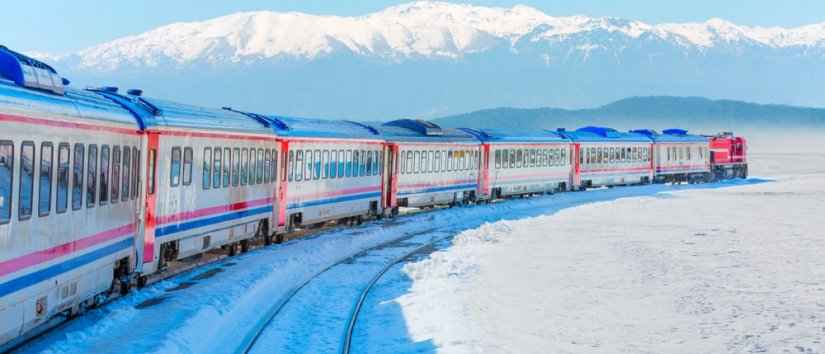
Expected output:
(217, 166)
(273, 166)
(309, 162)
(260, 167)
(6, 180)
(187, 166)
(227, 167)
(318, 166)
(77, 176)
(356, 159)
(348, 163)
(244, 167)
(341, 163)
(325, 164)
(207, 168)
(24, 208)
(127, 172)
(91, 177)
(44, 203)
(115, 174)
(236, 166)
(175, 168)
(333, 164)
(369, 163)
(62, 201)
(363, 165)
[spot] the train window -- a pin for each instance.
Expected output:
(379, 162)
(416, 161)
(207, 168)
(187, 165)
(341, 163)
(505, 158)
(314, 163)
(77, 176)
(333, 164)
(44, 203)
(324, 164)
(564, 159)
(105, 157)
(363, 166)
(127, 172)
(262, 167)
(299, 165)
(308, 163)
(423, 163)
(115, 174)
(370, 158)
(227, 167)
(244, 166)
(410, 162)
(347, 164)
(217, 166)
(62, 201)
(6, 180)
(267, 166)
(519, 158)
(175, 167)
(24, 208)
(353, 164)
(236, 166)
(135, 172)
(688, 153)
(512, 156)
(403, 162)
(291, 166)
(91, 177)
(498, 159)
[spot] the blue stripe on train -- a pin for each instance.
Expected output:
(346, 198)
(30, 279)
(175, 228)
(440, 189)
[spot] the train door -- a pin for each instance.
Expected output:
(281, 194)
(484, 172)
(389, 185)
(146, 244)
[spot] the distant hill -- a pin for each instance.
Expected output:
(656, 112)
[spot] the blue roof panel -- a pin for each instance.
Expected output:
(671, 135)
(602, 134)
(422, 131)
(515, 136)
(320, 128)
(172, 114)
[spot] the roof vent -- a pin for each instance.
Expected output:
(561, 130)
(421, 126)
(675, 131)
(109, 89)
(648, 132)
(135, 92)
(605, 132)
(30, 73)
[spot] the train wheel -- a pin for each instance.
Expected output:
(233, 250)
(279, 238)
(244, 246)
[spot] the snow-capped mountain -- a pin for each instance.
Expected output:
(443, 51)
(421, 29)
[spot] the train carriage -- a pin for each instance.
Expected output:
(210, 179)
(68, 200)
(332, 170)
(607, 157)
(435, 166)
(519, 163)
(679, 156)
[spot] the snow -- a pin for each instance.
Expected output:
(420, 29)
(708, 271)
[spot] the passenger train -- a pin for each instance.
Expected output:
(101, 190)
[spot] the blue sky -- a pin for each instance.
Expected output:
(59, 26)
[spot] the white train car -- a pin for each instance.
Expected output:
(331, 171)
(679, 156)
(211, 180)
(607, 157)
(523, 163)
(433, 166)
(68, 201)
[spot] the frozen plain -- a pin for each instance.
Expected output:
(642, 269)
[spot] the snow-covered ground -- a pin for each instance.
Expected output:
(729, 270)
(730, 267)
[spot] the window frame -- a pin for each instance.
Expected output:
(206, 171)
(78, 179)
(175, 167)
(28, 214)
(48, 205)
(188, 160)
(8, 201)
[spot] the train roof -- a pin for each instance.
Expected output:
(321, 128)
(413, 130)
(152, 112)
(671, 136)
(603, 134)
(516, 136)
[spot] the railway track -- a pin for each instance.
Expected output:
(401, 250)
